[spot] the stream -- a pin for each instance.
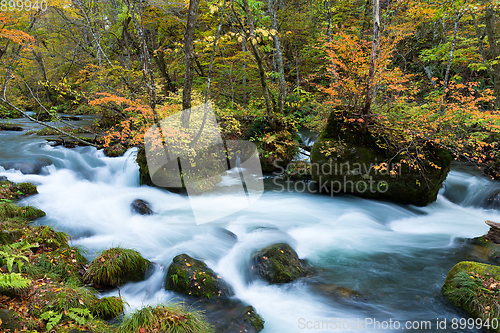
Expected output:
(395, 256)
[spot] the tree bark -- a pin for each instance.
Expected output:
(493, 49)
(189, 59)
(373, 57)
(258, 58)
(271, 4)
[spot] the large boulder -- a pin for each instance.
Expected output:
(278, 263)
(475, 288)
(192, 277)
(344, 160)
(31, 166)
(10, 321)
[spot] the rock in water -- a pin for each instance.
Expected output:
(193, 277)
(343, 160)
(494, 233)
(473, 287)
(141, 207)
(30, 166)
(279, 263)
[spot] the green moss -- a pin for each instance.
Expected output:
(279, 263)
(475, 288)
(192, 277)
(46, 237)
(115, 150)
(108, 307)
(115, 267)
(168, 319)
(252, 317)
(13, 191)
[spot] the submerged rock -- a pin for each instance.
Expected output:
(343, 160)
(8, 127)
(141, 207)
(474, 288)
(279, 263)
(31, 166)
(493, 202)
(192, 277)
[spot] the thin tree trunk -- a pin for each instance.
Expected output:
(260, 65)
(189, 57)
(279, 55)
(244, 79)
(41, 64)
(373, 56)
(458, 16)
(493, 49)
(491, 72)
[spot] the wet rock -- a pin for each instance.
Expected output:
(141, 207)
(192, 277)
(337, 292)
(493, 202)
(8, 127)
(279, 263)
(230, 315)
(69, 117)
(3, 178)
(493, 234)
(10, 321)
(472, 287)
(115, 150)
(12, 191)
(31, 166)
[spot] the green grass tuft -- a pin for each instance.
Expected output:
(166, 318)
(108, 307)
(115, 267)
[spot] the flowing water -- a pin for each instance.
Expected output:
(395, 257)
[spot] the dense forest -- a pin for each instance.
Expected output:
(399, 88)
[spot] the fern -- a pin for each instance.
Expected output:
(13, 280)
(52, 318)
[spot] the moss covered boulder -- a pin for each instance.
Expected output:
(13, 191)
(344, 160)
(475, 288)
(192, 277)
(115, 267)
(115, 150)
(279, 263)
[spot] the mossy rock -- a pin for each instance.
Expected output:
(279, 263)
(13, 191)
(10, 210)
(475, 288)
(337, 292)
(346, 161)
(193, 277)
(165, 318)
(229, 315)
(46, 237)
(61, 297)
(10, 321)
(115, 150)
(116, 266)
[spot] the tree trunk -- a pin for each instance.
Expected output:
(373, 56)
(258, 58)
(279, 55)
(189, 59)
(458, 16)
(244, 79)
(493, 49)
